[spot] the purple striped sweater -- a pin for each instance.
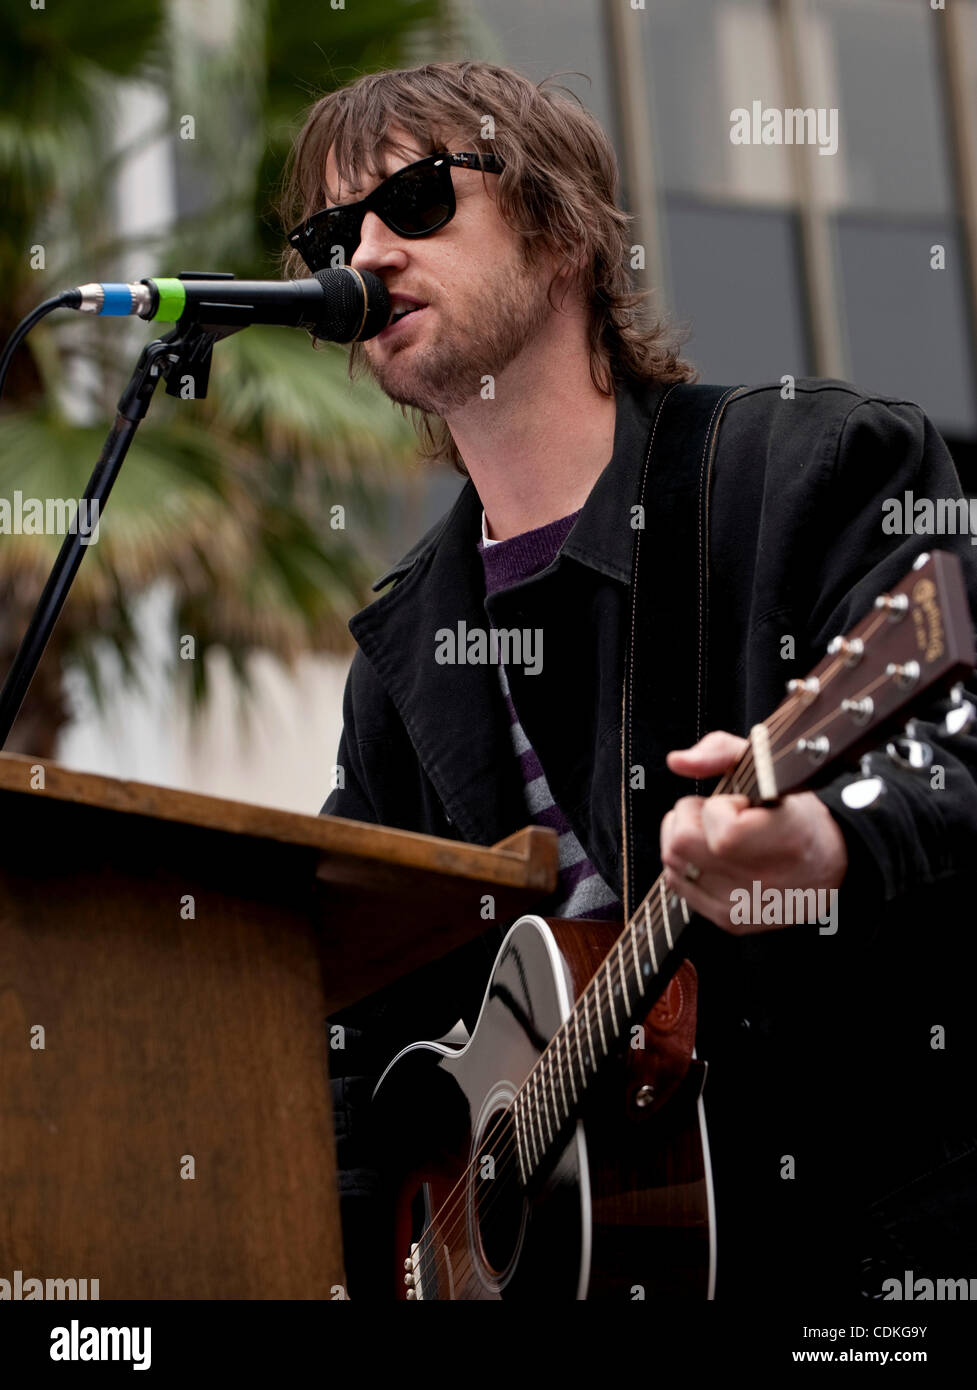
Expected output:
(580, 891)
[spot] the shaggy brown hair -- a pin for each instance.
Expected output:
(558, 190)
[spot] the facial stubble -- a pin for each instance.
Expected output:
(448, 370)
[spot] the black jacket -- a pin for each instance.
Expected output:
(820, 1048)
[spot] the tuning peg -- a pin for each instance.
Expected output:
(905, 675)
(961, 716)
(816, 748)
(860, 710)
(908, 751)
(807, 689)
(851, 648)
(896, 605)
(863, 794)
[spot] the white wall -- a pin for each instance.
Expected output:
(280, 755)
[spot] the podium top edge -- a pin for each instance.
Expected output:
(527, 859)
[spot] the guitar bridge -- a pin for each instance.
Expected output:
(412, 1275)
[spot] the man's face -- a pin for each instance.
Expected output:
(483, 305)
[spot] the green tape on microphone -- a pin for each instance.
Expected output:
(172, 300)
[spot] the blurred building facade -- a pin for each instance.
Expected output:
(780, 259)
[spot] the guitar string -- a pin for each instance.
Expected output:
(782, 719)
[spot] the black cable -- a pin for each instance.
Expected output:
(68, 299)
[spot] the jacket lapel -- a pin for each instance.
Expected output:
(454, 713)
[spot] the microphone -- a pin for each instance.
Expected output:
(339, 306)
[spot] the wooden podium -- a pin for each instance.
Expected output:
(167, 965)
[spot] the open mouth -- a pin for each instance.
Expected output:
(404, 311)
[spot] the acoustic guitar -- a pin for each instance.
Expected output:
(563, 1147)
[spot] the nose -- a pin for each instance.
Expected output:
(379, 248)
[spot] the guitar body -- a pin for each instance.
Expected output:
(621, 1209)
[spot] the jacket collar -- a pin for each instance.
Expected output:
(598, 538)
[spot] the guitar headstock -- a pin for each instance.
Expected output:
(918, 639)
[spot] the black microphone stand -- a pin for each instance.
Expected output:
(184, 352)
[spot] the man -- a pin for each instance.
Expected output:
(841, 1147)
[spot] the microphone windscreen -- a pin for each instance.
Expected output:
(345, 317)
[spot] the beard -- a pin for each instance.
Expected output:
(447, 372)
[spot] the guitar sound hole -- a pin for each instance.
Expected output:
(500, 1204)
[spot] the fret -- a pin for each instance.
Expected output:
(554, 1104)
(583, 1069)
(519, 1142)
(624, 983)
(668, 925)
(685, 910)
(518, 1110)
(570, 1063)
(534, 1079)
(651, 939)
(610, 996)
(559, 1072)
(546, 1110)
(584, 1077)
(590, 1040)
(600, 1013)
(532, 1127)
(634, 952)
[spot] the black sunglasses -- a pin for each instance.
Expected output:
(415, 201)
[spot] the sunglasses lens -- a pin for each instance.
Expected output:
(329, 239)
(416, 201)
